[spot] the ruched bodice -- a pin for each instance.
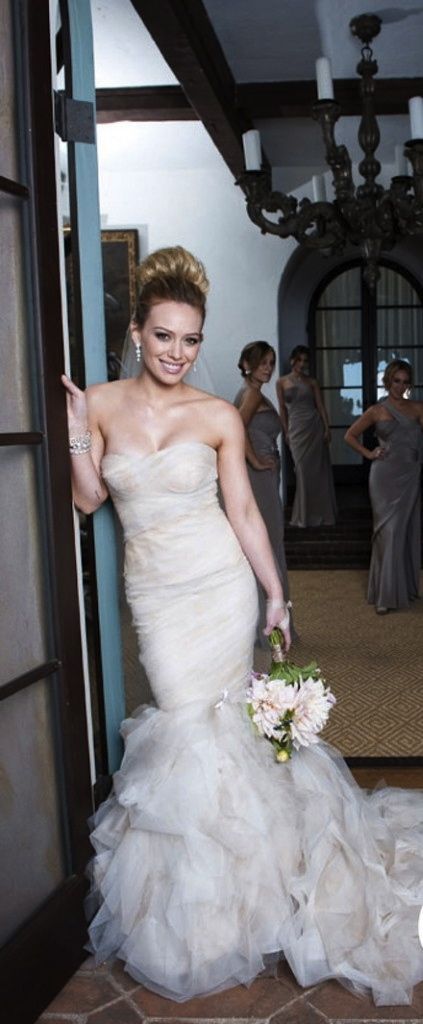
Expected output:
(401, 436)
(179, 550)
(264, 430)
(161, 487)
(301, 395)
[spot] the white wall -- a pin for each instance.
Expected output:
(186, 195)
(202, 210)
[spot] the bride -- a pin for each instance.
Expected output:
(210, 857)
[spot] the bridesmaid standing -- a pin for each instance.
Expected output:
(306, 429)
(394, 487)
(262, 423)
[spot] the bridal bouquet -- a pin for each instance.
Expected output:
(289, 705)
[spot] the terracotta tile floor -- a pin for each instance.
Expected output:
(106, 995)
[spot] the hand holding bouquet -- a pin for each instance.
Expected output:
(289, 705)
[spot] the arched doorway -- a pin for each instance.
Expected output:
(303, 281)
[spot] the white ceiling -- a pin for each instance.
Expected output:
(263, 40)
(279, 40)
(124, 52)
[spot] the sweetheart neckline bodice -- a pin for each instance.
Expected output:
(160, 451)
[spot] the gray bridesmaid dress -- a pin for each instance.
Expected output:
(314, 502)
(394, 487)
(263, 430)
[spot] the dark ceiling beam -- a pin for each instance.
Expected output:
(295, 99)
(182, 31)
(146, 103)
(259, 99)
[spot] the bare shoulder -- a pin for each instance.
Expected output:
(220, 411)
(375, 412)
(192, 394)
(111, 391)
(210, 409)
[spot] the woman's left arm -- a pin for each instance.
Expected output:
(420, 412)
(245, 518)
(321, 408)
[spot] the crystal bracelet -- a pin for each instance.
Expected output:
(81, 444)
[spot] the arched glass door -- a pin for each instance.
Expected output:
(353, 336)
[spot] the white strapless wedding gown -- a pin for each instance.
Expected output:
(210, 855)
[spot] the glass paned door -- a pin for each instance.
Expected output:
(354, 334)
(46, 791)
(339, 358)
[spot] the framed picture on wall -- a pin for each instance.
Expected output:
(120, 259)
(120, 256)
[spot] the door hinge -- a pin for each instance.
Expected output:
(74, 119)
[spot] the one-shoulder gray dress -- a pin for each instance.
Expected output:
(314, 502)
(263, 430)
(394, 487)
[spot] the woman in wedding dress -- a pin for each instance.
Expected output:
(210, 856)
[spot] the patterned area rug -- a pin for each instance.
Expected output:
(373, 663)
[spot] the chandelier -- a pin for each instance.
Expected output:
(368, 216)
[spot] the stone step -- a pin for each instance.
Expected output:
(346, 545)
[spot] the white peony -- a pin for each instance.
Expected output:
(312, 706)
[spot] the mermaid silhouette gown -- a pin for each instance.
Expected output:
(211, 856)
(263, 431)
(394, 487)
(314, 502)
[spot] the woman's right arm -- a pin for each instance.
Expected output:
(354, 432)
(283, 412)
(251, 400)
(88, 488)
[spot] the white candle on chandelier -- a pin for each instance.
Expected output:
(415, 108)
(318, 185)
(252, 150)
(324, 79)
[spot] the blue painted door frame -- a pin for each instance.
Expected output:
(86, 245)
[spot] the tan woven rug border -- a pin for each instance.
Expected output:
(374, 664)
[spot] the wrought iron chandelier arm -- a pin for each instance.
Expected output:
(327, 112)
(260, 197)
(320, 226)
(317, 225)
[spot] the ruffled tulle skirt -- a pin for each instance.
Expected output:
(211, 857)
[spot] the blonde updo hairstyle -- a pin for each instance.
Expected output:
(170, 275)
(392, 368)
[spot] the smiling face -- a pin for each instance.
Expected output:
(170, 339)
(399, 384)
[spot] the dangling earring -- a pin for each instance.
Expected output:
(138, 351)
(194, 368)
